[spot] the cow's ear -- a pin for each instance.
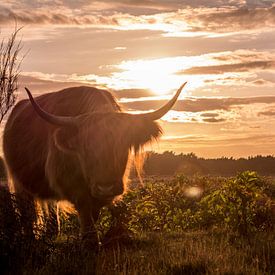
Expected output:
(143, 131)
(64, 140)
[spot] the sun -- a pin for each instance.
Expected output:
(158, 75)
(161, 76)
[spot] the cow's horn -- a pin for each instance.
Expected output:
(164, 109)
(53, 119)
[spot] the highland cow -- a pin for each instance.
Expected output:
(74, 145)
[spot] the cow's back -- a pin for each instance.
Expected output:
(26, 135)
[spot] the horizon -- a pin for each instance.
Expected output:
(143, 51)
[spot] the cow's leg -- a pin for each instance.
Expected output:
(88, 215)
(51, 218)
(118, 229)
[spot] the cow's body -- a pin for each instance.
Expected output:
(74, 145)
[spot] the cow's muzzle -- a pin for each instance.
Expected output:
(108, 190)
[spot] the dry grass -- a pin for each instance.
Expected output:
(156, 253)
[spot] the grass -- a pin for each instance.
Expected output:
(201, 252)
(170, 234)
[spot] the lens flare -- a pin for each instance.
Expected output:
(193, 191)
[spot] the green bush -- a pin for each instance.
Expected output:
(240, 205)
(243, 204)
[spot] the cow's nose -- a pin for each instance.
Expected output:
(105, 190)
(110, 189)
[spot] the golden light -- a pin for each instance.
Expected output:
(156, 75)
(160, 75)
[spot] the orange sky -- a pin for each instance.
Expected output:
(143, 50)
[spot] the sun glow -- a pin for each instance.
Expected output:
(156, 75)
(160, 75)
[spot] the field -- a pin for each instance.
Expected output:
(180, 225)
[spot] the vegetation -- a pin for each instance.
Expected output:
(168, 163)
(184, 225)
(9, 71)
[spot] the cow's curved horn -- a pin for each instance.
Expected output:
(53, 119)
(164, 109)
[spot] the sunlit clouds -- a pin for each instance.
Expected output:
(248, 68)
(190, 21)
(142, 51)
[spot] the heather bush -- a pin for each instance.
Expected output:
(241, 205)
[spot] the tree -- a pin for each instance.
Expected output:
(9, 72)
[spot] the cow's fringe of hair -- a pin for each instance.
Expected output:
(10, 181)
(139, 159)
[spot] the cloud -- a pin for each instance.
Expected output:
(132, 93)
(269, 113)
(39, 86)
(261, 82)
(41, 83)
(174, 18)
(228, 73)
(129, 6)
(231, 19)
(239, 67)
(55, 18)
(212, 117)
(211, 120)
(140, 99)
(199, 104)
(209, 114)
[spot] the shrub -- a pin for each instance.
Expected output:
(237, 204)
(240, 204)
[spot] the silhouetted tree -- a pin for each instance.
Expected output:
(9, 71)
(10, 62)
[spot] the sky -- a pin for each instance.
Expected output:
(142, 51)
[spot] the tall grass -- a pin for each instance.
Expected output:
(184, 225)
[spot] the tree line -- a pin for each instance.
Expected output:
(169, 163)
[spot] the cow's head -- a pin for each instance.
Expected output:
(102, 142)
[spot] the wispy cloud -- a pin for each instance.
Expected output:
(174, 19)
(237, 67)
(200, 104)
(143, 100)
(267, 113)
(216, 73)
(245, 67)
(232, 19)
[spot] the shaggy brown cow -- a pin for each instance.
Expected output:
(74, 145)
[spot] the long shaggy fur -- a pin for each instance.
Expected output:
(74, 163)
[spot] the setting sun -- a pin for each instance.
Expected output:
(161, 76)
